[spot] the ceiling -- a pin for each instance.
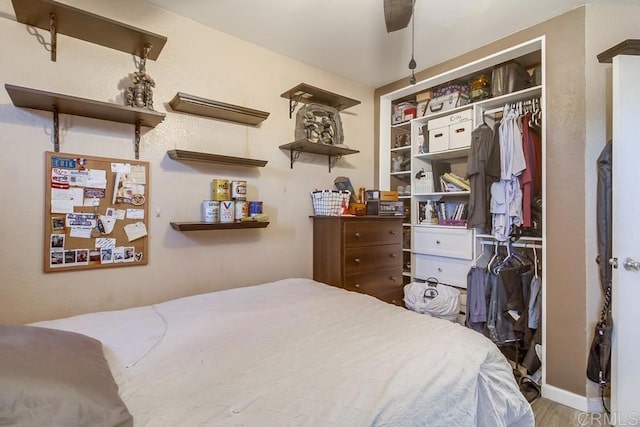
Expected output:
(349, 37)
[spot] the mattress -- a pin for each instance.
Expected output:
(296, 352)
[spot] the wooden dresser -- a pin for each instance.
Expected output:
(362, 254)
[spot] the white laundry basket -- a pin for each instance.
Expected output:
(433, 298)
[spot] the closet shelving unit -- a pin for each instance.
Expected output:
(218, 110)
(454, 247)
(307, 94)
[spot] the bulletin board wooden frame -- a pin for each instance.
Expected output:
(123, 217)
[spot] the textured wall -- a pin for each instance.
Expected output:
(198, 61)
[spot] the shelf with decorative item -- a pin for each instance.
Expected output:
(196, 156)
(59, 18)
(333, 152)
(308, 94)
(200, 225)
(58, 103)
(218, 110)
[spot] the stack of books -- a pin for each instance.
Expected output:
(442, 213)
(450, 182)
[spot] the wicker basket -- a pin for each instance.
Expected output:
(330, 202)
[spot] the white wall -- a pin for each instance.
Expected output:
(606, 26)
(198, 61)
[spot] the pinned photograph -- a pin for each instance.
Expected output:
(118, 254)
(94, 256)
(82, 256)
(57, 223)
(70, 256)
(106, 256)
(129, 254)
(57, 258)
(57, 241)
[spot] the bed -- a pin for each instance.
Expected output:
(293, 352)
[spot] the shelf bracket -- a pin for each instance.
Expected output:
(136, 144)
(332, 161)
(54, 36)
(293, 104)
(56, 130)
(294, 156)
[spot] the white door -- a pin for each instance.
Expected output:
(625, 366)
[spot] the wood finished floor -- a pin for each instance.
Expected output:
(552, 414)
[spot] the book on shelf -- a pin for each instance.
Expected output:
(457, 181)
(442, 213)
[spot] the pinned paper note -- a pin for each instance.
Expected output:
(108, 222)
(105, 242)
(135, 213)
(135, 231)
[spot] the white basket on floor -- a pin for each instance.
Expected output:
(330, 202)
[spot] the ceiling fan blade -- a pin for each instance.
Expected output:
(397, 14)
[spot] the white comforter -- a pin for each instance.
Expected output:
(299, 353)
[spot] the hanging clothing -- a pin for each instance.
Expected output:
(506, 202)
(535, 301)
(476, 300)
(531, 178)
(480, 153)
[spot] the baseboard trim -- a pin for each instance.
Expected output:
(572, 400)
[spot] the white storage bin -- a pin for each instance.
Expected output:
(460, 135)
(439, 139)
(451, 119)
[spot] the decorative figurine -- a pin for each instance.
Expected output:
(140, 94)
(319, 124)
(326, 134)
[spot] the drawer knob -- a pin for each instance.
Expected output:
(440, 269)
(393, 278)
(393, 232)
(437, 242)
(357, 260)
(356, 234)
(357, 285)
(393, 255)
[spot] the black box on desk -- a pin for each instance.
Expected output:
(385, 208)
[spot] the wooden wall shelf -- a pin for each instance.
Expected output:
(308, 94)
(199, 225)
(195, 156)
(59, 18)
(65, 104)
(217, 110)
(333, 152)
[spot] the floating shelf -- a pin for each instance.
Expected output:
(218, 110)
(333, 152)
(199, 225)
(308, 94)
(59, 18)
(65, 104)
(195, 156)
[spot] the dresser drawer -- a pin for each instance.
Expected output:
(450, 271)
(395, 297)
(448, 242)
(364, 233)
(362, 259)
(375, 282)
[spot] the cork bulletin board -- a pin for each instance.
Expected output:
(96, 212)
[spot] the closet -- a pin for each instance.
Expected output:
(453, 233)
